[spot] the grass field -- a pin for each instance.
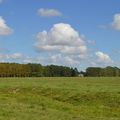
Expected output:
(60, 99)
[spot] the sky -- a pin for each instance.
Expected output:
(75, 33)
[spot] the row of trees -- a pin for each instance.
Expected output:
(102, 72)
(35, 70)
(38, 70)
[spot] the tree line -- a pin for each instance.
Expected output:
(36, 70)
(102, 72)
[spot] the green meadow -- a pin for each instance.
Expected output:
(60, 98)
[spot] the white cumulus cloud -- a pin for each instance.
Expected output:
(49, 12)
(61, 38)
(103, 58)
(116, 22)
(4, 29)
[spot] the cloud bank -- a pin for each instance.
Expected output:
(62, 44)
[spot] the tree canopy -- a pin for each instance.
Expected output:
(38, 70)
(35, 70)
(103, 72)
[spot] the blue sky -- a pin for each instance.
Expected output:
(92, 30)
